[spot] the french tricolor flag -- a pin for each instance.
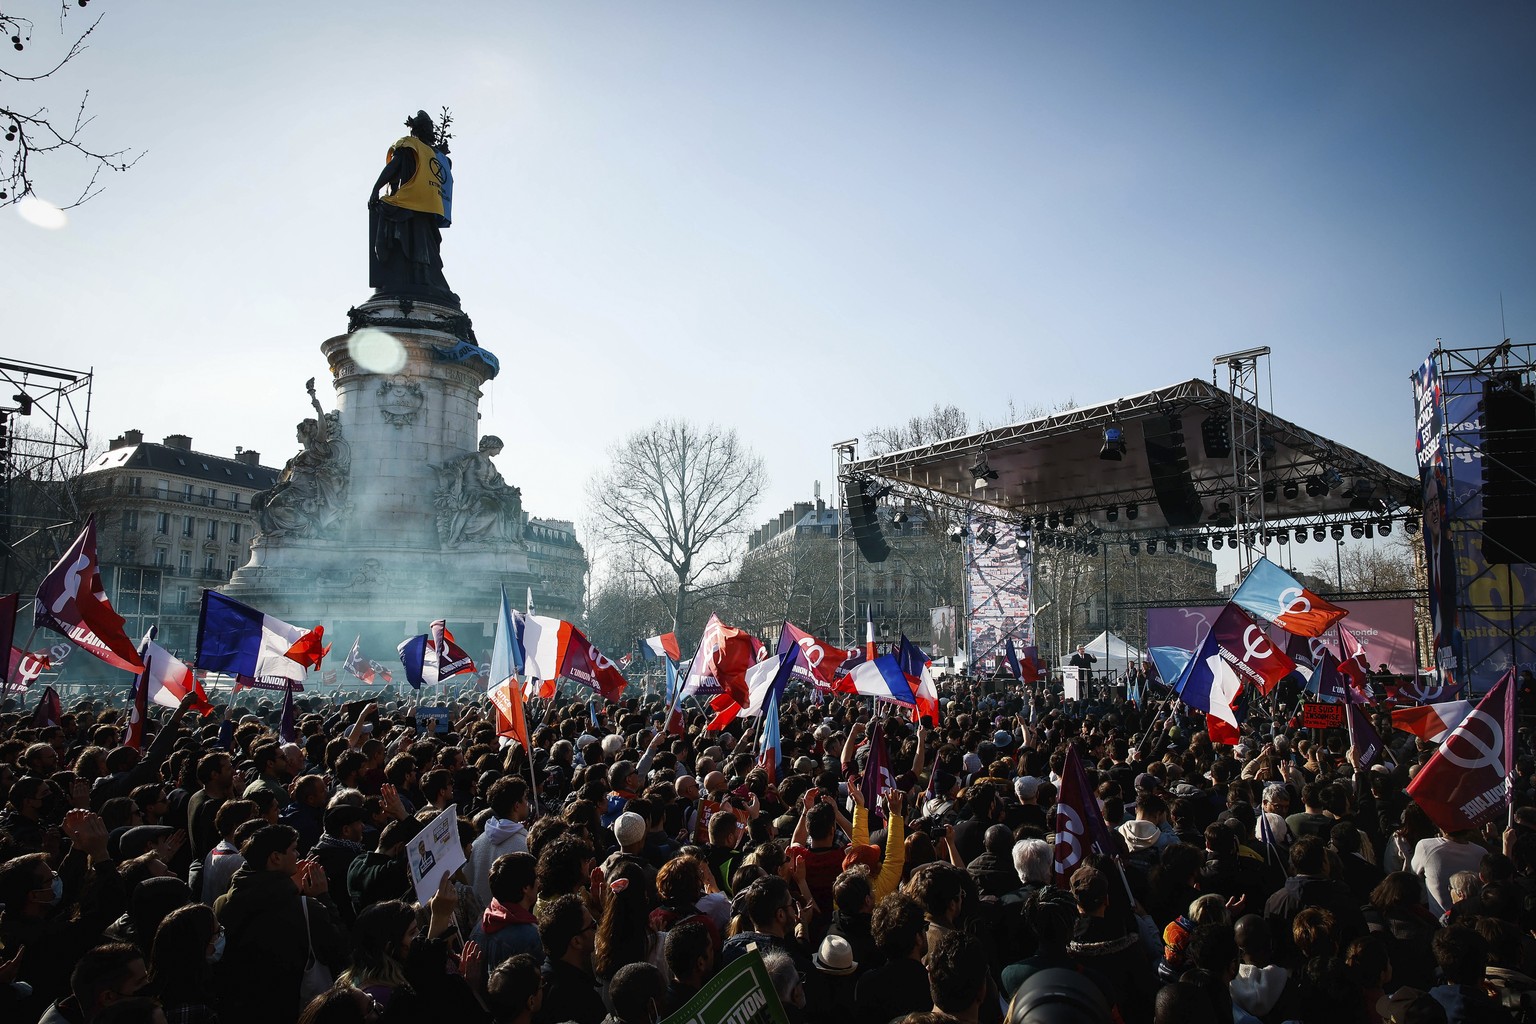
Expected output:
(883, 679)
(1432, 722)
(236, 639)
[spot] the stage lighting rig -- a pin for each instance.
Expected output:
(1114, 444)
(982, 474)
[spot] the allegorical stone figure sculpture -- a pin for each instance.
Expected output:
(310, 496)
(474, 504)
(405, 225)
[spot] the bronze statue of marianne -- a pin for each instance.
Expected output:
(405, 224)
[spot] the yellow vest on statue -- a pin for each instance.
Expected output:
(423, 191)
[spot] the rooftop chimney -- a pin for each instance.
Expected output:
(181, 442)
(247, 457)
(126, 439)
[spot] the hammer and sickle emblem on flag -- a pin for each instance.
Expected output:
(1294, 601)
(1069, 830)
(1489, 750)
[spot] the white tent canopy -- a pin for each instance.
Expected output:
(1113, 653)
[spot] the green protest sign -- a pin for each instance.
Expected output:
(740, 994)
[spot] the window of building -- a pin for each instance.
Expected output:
(208, 565)
(187, 523)
(213, 529)
(230, 564)
(186, 493)
(135, 484)
(160, 557)
(234, 533)
(210, 495)
(163, 490)
(181, 597)
(184, 563)
(131, 519)
(162, 522)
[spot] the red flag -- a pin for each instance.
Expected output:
(726, 711)
(48, 711)
(510, 722)
(71, 600)
(25, 667)
(1466, 783)
(311, 648)
(1221, 732)
(725, 653)
(1245, 646)
(821, 662)
(586, 664)
(1354, 665)
(1080, 827)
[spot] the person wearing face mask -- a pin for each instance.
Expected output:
(183, 958)
(52, 918)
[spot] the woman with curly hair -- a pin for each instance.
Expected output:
(680, 885)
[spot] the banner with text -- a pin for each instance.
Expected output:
(998, 581)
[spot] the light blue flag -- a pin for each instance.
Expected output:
(506, 651)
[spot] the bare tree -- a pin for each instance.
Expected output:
(679, 496)
(1360, 568)
(32, 131)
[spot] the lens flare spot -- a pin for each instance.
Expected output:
(41, 213)
(376, 351)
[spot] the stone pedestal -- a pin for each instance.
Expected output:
(375, 561)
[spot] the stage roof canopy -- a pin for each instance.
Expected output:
(1176, 471)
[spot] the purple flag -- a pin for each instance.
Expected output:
(877, 776)
(1080, 827)
(288, 729)
(1363, 738)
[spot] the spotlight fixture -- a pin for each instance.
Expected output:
(1315, 487)
(1363, 488)
(1232, 540)
(1114, 444)
(1112, 514)
(1066, 518)
(1331, 479)
(981, 474)
(1283, 537)
(1269, 492)
(1131, 512)
(899, 516)
(1022, 540)
(1370, 531)
(1216, 541)
(1053, 520)
(1188, 545)
(1319, 533)
(1202, 543)
(1337, 532)
(1411, 525)
(1267, 538)
(1135, 547)
(21, 398)
(955, 532)
(1152, 546)
(1290, 490)
(1385, 529)
(1356, 531)
(879, 491)
(1301, 535)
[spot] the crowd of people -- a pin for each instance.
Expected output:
(224, 875)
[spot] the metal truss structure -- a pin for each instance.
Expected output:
(45, 415)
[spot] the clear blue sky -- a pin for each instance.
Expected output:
(801, 219)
